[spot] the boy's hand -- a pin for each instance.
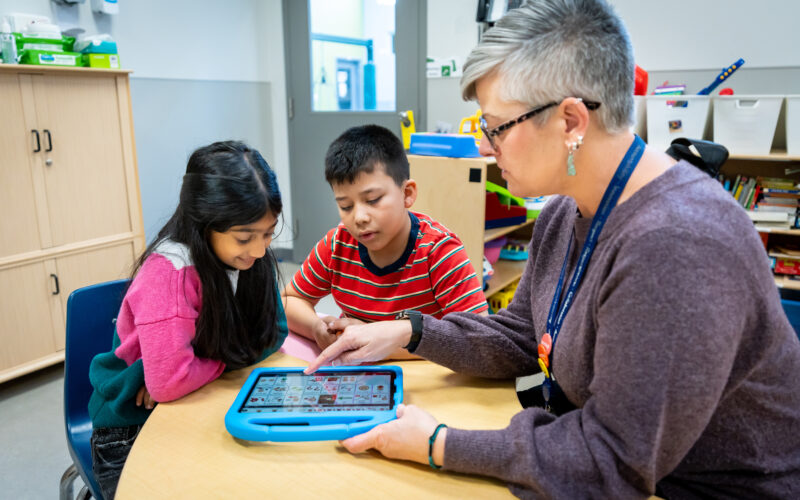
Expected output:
(143, 398)
(339, 324)
(324, 335)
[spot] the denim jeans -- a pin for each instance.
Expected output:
(110, 449)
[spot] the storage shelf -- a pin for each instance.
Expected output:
(784, 282)
(779, 255)
(776, 155)
(777, 230)
(36, 69)
(497, 232)
(505, 272)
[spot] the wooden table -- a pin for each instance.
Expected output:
(184, 451)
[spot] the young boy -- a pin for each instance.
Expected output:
(382, 258)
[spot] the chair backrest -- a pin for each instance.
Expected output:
(792, 309)
(91, 317)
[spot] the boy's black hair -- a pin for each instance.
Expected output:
(227, 184)
(359, 149)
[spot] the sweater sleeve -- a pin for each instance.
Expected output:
(668, 330)
(164, 304)
(501, 345)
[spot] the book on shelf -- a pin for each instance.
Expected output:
(792, 250)
(777, 183)
(781, 193)
(759, 216)
(787, 266)
(766, 207)
(774, 200)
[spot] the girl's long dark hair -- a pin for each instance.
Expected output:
(227, 184)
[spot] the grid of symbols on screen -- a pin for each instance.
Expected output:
(337, 392)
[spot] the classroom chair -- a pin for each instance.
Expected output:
(91, 314)
(790, 300)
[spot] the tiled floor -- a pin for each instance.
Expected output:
(34, 449)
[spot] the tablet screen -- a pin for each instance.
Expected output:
(350, 391)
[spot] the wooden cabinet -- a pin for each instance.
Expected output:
(453, 192)
(69, 195)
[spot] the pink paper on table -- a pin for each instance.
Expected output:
(300, 347)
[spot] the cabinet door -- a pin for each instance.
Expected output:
(26, 322)
(87, 268)
(83, 162)
(452, 192)
(19, 225)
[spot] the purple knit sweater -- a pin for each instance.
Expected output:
(676, 352)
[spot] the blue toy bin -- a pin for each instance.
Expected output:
(449, 145)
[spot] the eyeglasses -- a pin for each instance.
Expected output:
(491, 134)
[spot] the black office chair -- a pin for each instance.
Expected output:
(705, 155)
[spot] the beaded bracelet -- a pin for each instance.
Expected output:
(432, 440)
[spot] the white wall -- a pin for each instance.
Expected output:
(701, 36)
(200, 40)
(712, 34)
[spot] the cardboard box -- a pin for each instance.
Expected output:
(109, 61)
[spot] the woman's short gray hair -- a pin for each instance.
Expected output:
(547, 50)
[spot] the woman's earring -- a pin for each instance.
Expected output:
(571, 156)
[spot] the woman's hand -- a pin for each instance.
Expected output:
(324, 335)
(365, 342)
(405, 438)
(143, 398)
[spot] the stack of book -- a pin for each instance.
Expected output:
(769, 201)
(779, 196)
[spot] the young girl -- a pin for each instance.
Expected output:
(204, 298)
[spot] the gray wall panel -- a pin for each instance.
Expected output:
(174, 117)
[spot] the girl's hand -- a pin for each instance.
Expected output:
(362, 343)
(405, 438)
(143, 398)
(324, 335)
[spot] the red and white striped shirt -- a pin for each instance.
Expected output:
(434, 275)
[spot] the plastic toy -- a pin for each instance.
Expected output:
(451, 145)
(514, 251)
(488, 272)
(474, 126)
(726, 73)
(407, 127)
(640, 81)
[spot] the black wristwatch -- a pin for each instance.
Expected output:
(416, 327)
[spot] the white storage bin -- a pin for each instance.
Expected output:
(745, 124)
(640, 116)
(793, 125)
(673, 116)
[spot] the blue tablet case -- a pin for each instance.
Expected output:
(334, 403)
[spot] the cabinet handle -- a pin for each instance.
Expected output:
(49, 141)
(38, 142)
(58, 288)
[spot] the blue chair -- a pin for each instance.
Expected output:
(790, 300)
(792, 309)
(91, 314)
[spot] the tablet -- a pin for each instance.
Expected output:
(284, 404)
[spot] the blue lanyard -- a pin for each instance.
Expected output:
(556, 316)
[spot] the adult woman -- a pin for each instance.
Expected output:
(674, 356)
